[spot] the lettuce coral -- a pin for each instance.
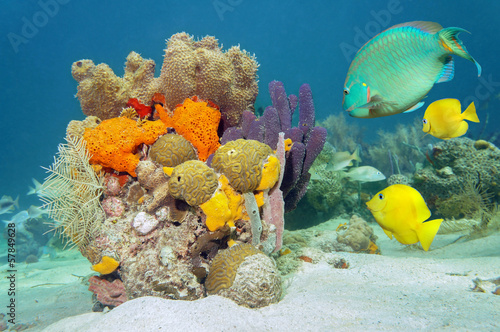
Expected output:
(113, 142)
(197, 122)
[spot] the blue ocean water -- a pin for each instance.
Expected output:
(294, 42)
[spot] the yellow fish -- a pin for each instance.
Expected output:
(443, 118)
(401, 211)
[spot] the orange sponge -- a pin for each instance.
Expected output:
(113, 143)
(197, 121)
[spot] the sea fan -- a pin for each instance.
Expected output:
(72, 192)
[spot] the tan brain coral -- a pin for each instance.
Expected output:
(193, 181)
(171, 150)
(245, 275)
(242, 162)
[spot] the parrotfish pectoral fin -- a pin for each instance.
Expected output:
(375, 102)
(448, 71)
(451, 42)
(415, 107)
(427, 231)
(470, 113)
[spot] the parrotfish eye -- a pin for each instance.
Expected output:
(346, 91)
(380, 196)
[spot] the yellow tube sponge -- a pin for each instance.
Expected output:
(217, 210)
(270, 173)
(106, 266)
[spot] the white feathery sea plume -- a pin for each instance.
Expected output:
(71, 193)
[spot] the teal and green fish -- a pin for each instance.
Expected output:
(396, 69)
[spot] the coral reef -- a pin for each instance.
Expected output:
(171, 150)
(153, 200)
(245, 275)
(399, 152)
(190, 68)
(325, 190)
(462, 180)
(197, 122)
(307, 140)
(343, 135)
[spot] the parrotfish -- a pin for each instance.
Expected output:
(401, 212)
(443, 118)
(365, 174)
(396, 69)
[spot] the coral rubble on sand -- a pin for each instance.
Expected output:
(151, 196)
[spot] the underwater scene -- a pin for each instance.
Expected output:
(247, 165)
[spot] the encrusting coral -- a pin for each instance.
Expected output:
(113, 142)
(229, 79)
(107, 265)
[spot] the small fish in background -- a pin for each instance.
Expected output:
(19, 219)
(341, 160)
(35, 212)
(396, 69)
(401, 212)
(7, 204)
(365, 174)
(36, 189)
(443, 118)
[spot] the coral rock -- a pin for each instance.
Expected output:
(171, 150)
(113, 207)
(114, 142)
(144, 223)
(197, 122)
(193, 182)
(108, 293)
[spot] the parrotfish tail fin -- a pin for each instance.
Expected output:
(427, 231)
(355, 155)
(470, 113)
(16, 202)
(451, 42)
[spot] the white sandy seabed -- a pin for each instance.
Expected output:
(401, 289)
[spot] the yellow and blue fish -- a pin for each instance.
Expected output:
(401, 212)
(443, 118)
(396, 69)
